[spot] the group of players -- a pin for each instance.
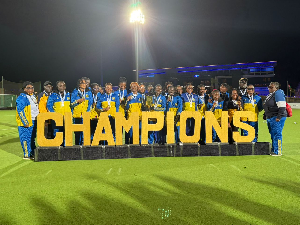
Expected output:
(91, 97)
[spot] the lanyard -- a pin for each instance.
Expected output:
(33, 99)
(190, 99)
(62, 99)
(122, 94)
(243, 92)
(134, 96)
(156, 101)
(251, 100)
(95, 97)
(108, 97)
(82, 93)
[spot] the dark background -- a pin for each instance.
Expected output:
(67, 39)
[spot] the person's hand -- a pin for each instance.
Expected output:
(215, 104)
(169, 98)
(229, 125)
(26, 126)
(239, 103)
(80, 100)
(129, 98)
(239, 98)
(277, 120)
(200, 106)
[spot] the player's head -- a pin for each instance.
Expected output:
(202, 89)
(48, 86)
(158, 89)
(189, 88)
(28, 87)
(95, 88)
(243, 83)
(61, 86)
(142, 88)
(171, 90)
(223, 88)
(250, 89)
(215, 95)
(150, 88)
(179, 89)
(134, 86)
(108, 88)
(122, 83)
(234, 94)
(87, 80)
(81, 84)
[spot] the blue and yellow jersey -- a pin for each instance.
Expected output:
(202, 107)
(189, 102)
(175, 105)
(23, 111)
(55, 103)
(42, 100)
(122, 97)
(134, 104)
(94, 111)
(85, 106)
(159, 103)
(255, 106)
(111, 99)
(217, 110)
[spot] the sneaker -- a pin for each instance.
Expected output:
(26, 158)
(274, 154)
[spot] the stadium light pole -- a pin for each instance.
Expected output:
(137, 18)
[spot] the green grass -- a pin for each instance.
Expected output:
(195, 190)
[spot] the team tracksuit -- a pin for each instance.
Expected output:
(189, 103)
(253, 104)
(79, 108)
(59, 103)
(175, 106)
(26, 113)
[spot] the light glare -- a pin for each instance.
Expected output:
(137, 17)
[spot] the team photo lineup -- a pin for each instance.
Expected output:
(91, 97)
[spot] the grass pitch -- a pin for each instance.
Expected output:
(193, 190)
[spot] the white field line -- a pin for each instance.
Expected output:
(290, 161)
(48, 172)
(119, 172)
(214, 166)
(234, 167)
(108, 172)
(15, 168)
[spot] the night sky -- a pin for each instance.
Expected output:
(67, 39)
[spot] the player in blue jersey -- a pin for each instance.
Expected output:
(95, 113)
(174, 104)
(26, 114)
(216, 105)
(81, 101)
(59, 102)
(252, 103)
(134, 104)
(202, 107)
(189, 103)
(109, 102)
(158, 104)
(275, 114)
